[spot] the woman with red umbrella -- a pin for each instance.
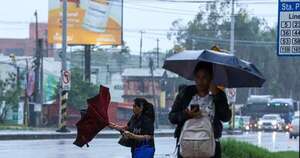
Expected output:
(138, 134)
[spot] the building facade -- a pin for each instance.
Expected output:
(26, 46)
(160, 91)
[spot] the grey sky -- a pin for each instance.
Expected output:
(138, 15)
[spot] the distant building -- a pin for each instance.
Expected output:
(137, 82)
(26, 46)
(108, 64)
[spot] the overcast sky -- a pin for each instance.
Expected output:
(138, 15)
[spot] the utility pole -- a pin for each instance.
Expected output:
(63, 92)
(37, 91)
(141, 47)
(232, 27)
(37, 60)
(232, 51)
(157, 55)
(151, 66)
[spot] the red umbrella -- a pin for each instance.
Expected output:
(95, 119)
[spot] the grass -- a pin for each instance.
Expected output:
(287, 154)
(236, 149)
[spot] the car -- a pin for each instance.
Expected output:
(294, 127)
(247, 123)
(271, 122)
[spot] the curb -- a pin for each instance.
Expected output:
(41, 136)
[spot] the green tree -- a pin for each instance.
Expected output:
(255, 41)
(80, 90)
(10, 93)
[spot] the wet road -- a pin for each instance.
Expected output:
(108, 148)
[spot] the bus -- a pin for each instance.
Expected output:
(256, 106)
(259, 105)
(285, 107)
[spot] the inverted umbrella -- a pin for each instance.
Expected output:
(228, 70)
(94, 119)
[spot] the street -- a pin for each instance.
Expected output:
(102, 148)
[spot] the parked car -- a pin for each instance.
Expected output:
(271, 122)
(294, 128)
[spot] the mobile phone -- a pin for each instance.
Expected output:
(195, 107)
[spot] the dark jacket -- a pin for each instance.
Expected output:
(142, 125)
(178, 115)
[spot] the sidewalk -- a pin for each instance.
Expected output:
(52, 134)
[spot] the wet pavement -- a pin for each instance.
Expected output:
(108, 148)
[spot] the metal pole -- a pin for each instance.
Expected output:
(232, 28)
(37, 68)
(151, 65)
(141, 47)
(36, 28)
(157, 55)
(64, 93)
(122, 22)
(64, 35)
(233, 52)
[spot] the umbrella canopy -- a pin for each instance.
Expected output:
(95, 118)
(228, 70)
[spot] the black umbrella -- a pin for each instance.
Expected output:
(228, 70)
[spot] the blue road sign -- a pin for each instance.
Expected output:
(288, 32)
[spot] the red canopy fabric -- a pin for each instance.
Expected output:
(95, 119)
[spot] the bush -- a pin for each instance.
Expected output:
(236, 149)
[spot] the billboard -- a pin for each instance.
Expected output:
(89, 22)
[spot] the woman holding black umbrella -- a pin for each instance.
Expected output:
(197, 100)
(199, 109)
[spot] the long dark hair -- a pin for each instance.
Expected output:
(148, 108)
(208, 67)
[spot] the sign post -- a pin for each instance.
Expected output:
(288, 32)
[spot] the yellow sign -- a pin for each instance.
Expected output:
(89, 22)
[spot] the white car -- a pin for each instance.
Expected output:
(294, 129)
(271, 122)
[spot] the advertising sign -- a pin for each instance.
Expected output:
(89, 22)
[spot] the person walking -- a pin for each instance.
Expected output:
(203, 98)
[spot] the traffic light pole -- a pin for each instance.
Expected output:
(63, 93)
